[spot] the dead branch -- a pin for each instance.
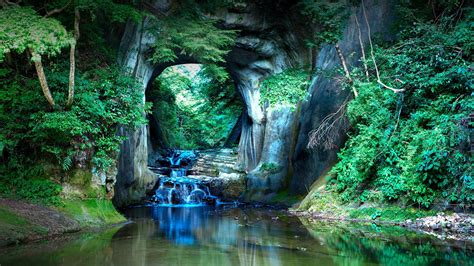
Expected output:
(327, 131)
(364, 60)
(346, 70)
(379, 81)
(57, 10)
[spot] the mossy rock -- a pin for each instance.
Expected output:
(92, 212)
(80, 177)
(15, 228)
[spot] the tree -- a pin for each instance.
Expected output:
(22, 29)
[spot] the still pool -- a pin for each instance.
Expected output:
(240, 236)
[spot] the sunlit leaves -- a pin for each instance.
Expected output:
(414, 148)
(286, 88)
(198, 38)
(21, 28)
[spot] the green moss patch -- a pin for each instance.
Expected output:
(14, 228)
(391, 213)
(92, 212)
(328, 203)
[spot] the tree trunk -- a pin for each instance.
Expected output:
(72, 60)
(346, 70)
(42, 78)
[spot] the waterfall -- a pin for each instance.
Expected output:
(183, 191)
(178, 189)
(180, 172)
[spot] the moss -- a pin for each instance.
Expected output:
(283, 197)
(328, 202)
(389, 213)
(95, 192)
(9, 217)
(270, 168)
(15, 228)
(80, 177)
(92, 212)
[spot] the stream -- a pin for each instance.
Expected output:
(182, 223)
(228, 235)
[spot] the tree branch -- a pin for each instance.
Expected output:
(346, 70)
(42, 77)
(57, 10)
(379, 81)
(72, 59)
(364, 59)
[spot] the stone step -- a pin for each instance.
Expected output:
(211, 163)
(205, 158)
(216, 161)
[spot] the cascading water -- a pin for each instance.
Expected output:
(178, 189)
(182, 190)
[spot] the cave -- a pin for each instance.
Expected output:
(235, 132)
(267, 43)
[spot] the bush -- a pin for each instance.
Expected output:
(286, 88)
(413, 147)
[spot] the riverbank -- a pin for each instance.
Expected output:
(25, 222)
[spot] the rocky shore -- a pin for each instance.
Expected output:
(456, 226)
(24, 222)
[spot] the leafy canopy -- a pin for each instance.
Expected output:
(414, 148)
(21, 28)
(329, 16)
(193, 110)
(286, 88)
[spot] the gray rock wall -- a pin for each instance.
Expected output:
(327, 95)
(269, 42)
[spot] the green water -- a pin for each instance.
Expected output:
(209, 236)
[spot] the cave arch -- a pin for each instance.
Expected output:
(265, 46)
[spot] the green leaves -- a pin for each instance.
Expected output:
(286, 88)
(21, 28)
(413, 148)
(194, 109)
(191, 35)
(105, 99)
(328, 15)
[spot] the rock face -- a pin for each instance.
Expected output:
(272, 147)
(218, 168)
(268, 44)
(326, 95)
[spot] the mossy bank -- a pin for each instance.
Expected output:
(23, 222)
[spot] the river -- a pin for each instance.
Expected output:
(226, 235)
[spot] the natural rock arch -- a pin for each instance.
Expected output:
(267, 44)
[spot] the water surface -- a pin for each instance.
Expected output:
(240, 236)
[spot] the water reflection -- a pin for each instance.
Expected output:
(213, 236)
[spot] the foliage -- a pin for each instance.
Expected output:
(414, 147)
(270, 167)
(328, 15)
(105, 99)
(22, 29)
(187, 32)
(286, 88)
(197, 38)
(193, 109)
(31, 184)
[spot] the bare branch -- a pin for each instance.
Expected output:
(346, 70)
(57, 10)
(72, 59)
(5, 3)
(364, 60)
(379, 81)
(326, 133)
